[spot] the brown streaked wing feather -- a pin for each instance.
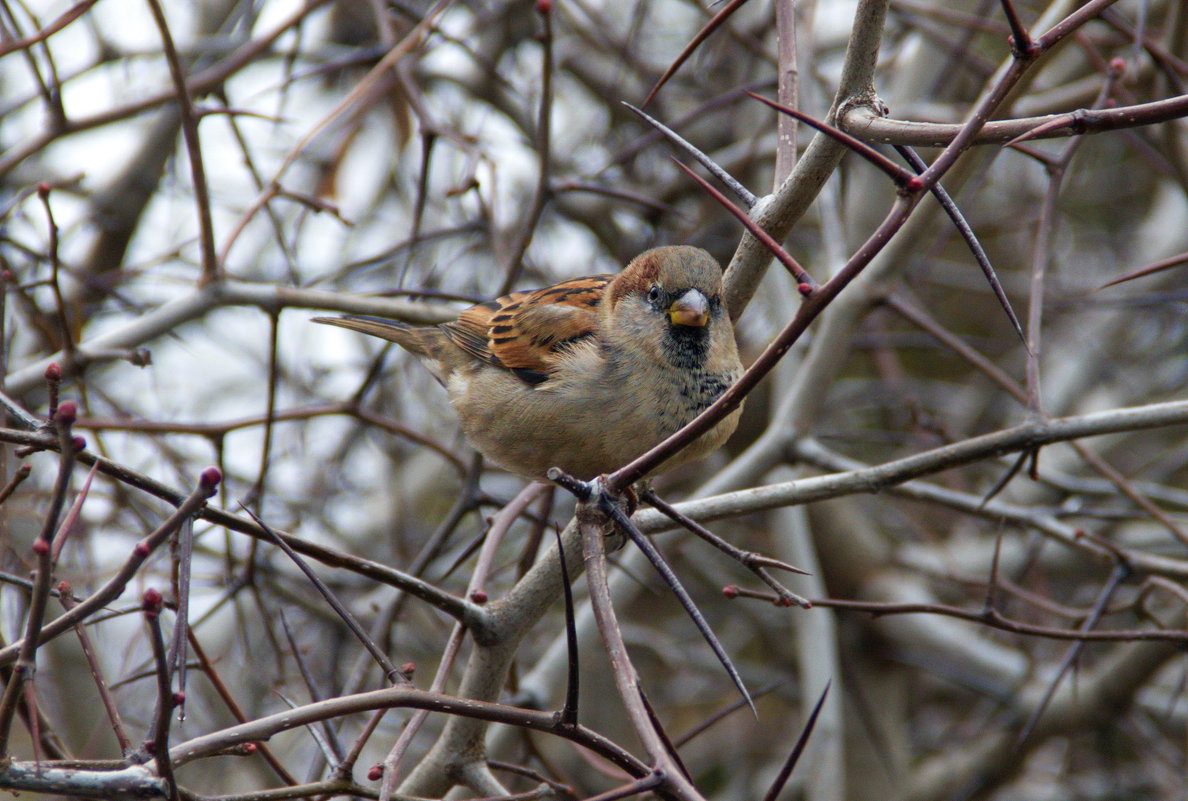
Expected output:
(469, 331)
(526, 331)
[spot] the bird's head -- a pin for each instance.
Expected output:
(668, 302)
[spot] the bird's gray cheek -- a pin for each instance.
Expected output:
(639, 330)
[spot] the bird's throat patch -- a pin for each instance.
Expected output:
(687, 347)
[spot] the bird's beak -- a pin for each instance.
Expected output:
(691, 309)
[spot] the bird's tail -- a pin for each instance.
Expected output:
(402, 334)
(430, 344)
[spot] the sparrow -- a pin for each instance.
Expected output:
(587, 374)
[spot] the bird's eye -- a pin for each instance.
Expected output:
(654, 294)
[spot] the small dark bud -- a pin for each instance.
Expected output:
(151, 602)
(479, 597)
(150, 747)
(53, 372)
(375, 773)
(79, 443)
(408, 669)
(211, 477)
(804, 289)
(67, 413)
(915, 183)
(141, 550)
(40, 547)
(730, 591)
(782, 602)
(8, 275)
(1118, 65)
(544, 6)
(43, 189)
(250, 748)
(179, 698)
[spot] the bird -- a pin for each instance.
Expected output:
(587, 374)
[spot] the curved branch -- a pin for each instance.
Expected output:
(403, 698)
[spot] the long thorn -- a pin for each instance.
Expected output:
(747, 558)
(1064, 120)
(654, 556)
(669, 746)
(1119, 574)
(804, 280)
(1165, 264)
(752, 561)
(786, 771)
(569, 712)
(1005, 479)
(391, 672)
(709, 27)
(1021, 43)
(732, 183)
(971, 240)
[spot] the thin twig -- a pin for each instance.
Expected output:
(224, 693)
(650, 782)
(26, 664)
(515, 261)
(1020, 40)
(158, 744)
(392, 673)
(189, 125)
(18, 477)
(65, 18)
(327, 738)
(115, 586)
(66, 332)
(1150, 269)
(68, 601)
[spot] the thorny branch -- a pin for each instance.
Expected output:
(891, 373)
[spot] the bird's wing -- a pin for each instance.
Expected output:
(527, 332)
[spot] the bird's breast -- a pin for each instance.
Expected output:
(691, 393)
